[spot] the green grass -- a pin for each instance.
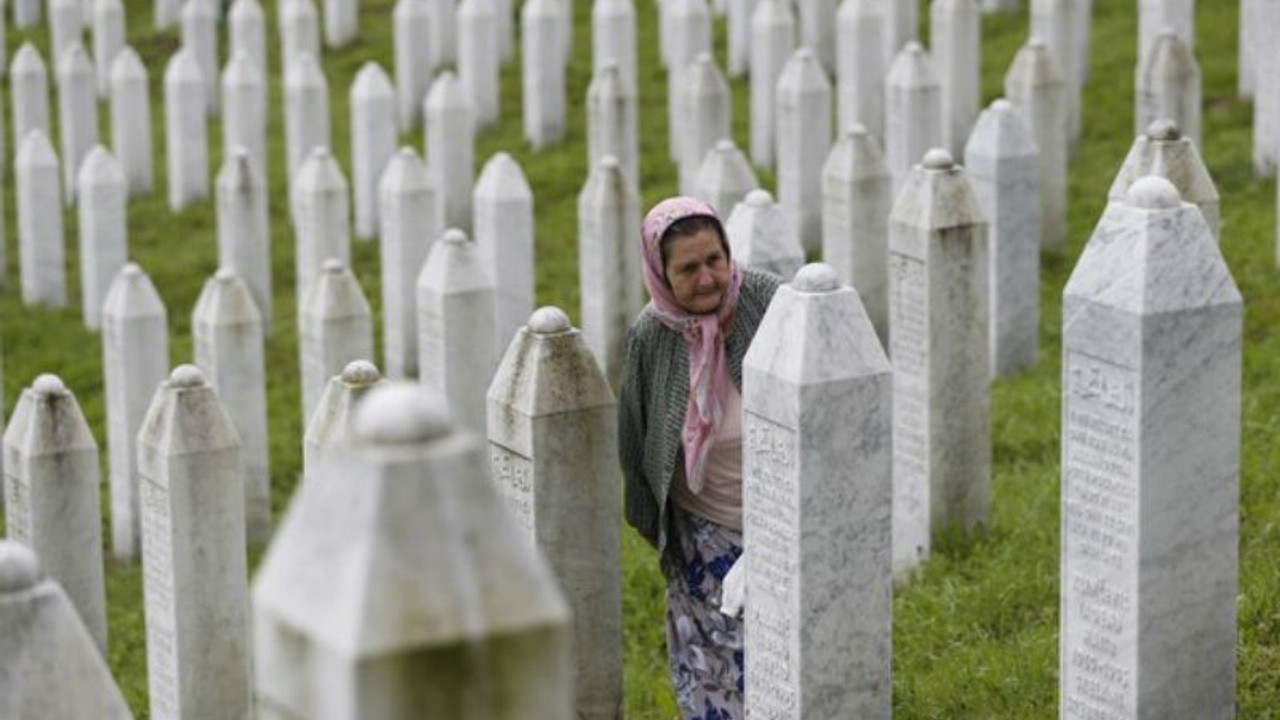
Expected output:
(976, 634)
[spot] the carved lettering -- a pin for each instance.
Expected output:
(908, 343)
(17, 509)
(158, 584)
(514, 474)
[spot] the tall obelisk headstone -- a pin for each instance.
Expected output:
(331, 420)
(1035, 86)
(803, 124)
(41, 254)
(503, 205)
(1163, 151)
(244, 236)
(130, 108)
(335, 326)
(860, 64)
(104, 236)
(913, 112)
(406, 215)
(373, 142)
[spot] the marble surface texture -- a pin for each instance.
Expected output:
(1162, 150)
(724, 177)
(199, 32)
(1035, 86)
(411, 43)
(760, 235)
(450, 143)
(306, 113)
(542, 73)
(335, 326)
(103, 232)
(29, 93)
(504, 235)
(1167, 86)
(686, 34)
(803, 125)
(773, 29)
(244, 238)
(41, 251)
(612, 121)
(913, 112)
(330, 423)
(77, 114)
(956, 50)
(244, 111)
(707, 112)
(861, 64)
(322, 218)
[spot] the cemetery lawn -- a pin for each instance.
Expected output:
(975, 635)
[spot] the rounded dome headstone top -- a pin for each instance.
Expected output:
(1001, 105)
(131, 270)
(610, 161)
(817, 278)
(454, 236)
(225, 275)
(19, 567)
(758, 198)
(1153, 193)
(857, 129)
(400, 414)
(186, 376)
(48, 384)
(360, 372)
(938, 159)
(549, 321)
(334, 265)
(725, 145)
(1163, 129)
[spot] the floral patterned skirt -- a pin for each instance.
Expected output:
(704, 646)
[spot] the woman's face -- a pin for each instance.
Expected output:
(697, 270)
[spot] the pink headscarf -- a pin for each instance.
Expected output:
(708, 367)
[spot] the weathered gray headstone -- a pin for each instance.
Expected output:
(469, 622)
(200, 20)
(335, 327)
(186, 131)
(244, 112)
(248, 32)
(1004, 170)
(1163, 151)
(226, 331)
(913, 112)
(46, 642)
(194, 573)
(108, 40)
(1155, 16)
(331, 420)
(773, 30)
(857, 195)
(374, 138)
(135, 359)
(478, 59)
(104, 234)
(724, 177)
(542, 73)
(77, 114)
(762, 236)
(407, 200)
(549, 395)
(450, 142)
(706, 115)
(51, 497)
(341, 22)
(456, 355)
(938, 342)
(244, 236)
(1054, 22)
(41, 255)
(323, 220)
(612, 121)
(299, 31)
(1151, 382)
(817, 495)
(29, 93)
(860, 64)
(306, 114)
(687, 26)
(503, 205)
(956, 32)
(66, 27)
(804, 139)
(1167, 86)
(613, 37)
(130, 106)
(411, 24)
(1034, 85)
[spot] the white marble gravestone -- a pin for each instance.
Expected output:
(686, 26)
(1266, 97)
(28, 93)
(130, 108)
(194, 573)
(860, 64)
(613, 37)
(938, 342)
(299, 31)
(244, 236)
(478, 59)
(1000, 6)
(108, 40)
(411, 25)
(817, 493)
(1004, 170)
(46, 642)
(226, 331)
(542, 73)
(77, 114)
(773, 29)
(1151, 382)
(816, 20)
(66, 27)
(335, 326)
(407, 200)
(469, 622)
(164, 13)
(450, 142)
(341, 22)
(724, 177)
(51, 497)
(762, 236)
(706, 111)
(1167, 86)
(1162, 150)
(1055, 23)
(552, 433)
(1155, 16)
(956, 32)
(103, 231)
(902, 26)
(504, 234)
(444, 33)
(244, 112)
(374, 137)
(913, 112)
(1249, 41)
(456, 353)
(135, 359)
(247, 32)
(200, 19)
(331, 420)
(186, 131)
(26, 13)
(612, 121)
(738, 29)
(322, 218)
(857, 195)
(609, 270)
(41, 255)
(1035, 86)
(306, 114)
(803, 124)
(504, 27)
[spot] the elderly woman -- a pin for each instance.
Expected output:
(680, 439)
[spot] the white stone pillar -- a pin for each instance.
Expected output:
(444, 32)
(956, 32)
(248, 33)
(478, 59)
(857, 195)
(226, 331)
(108, 40)
(902, 26)
(761, 235)
(1155, 16)
(1151, 383)
(411, 523)
(299, 32)
(135, 359)
(613, 37)
(408, 203)
(1266, 97)
(609, 262)
(66, 27)
(456, 356)
(938, 341)
(194, 573)
(817, 487)
(1162, 150)
(104, 234)
(861, 65)
(51, 494)
(724, 177)
(738, 29)
(687, 25)
(29, 93)
(1004, 170)
(549, 394)
(335, 326)
(451, 150)
(244, 112)
(41, 255)
(1035, 87)
(504, 224)
(77, 115)
(26, 13)
(913, 112)
(306, 114)
(707, 116)
(1054, 22)
(1000, 6)
(244, 237)
(200, 37)
(542, 73)
(341, 22)
(612, 122)
(1248, 43)
(323, 220)
(804, 140)
(330, 423)
(773, 30)
(186, 133)
(1167, 87)
(164, 14)
(374, 137)
(130, 108)
(411, 25)
(817, 25)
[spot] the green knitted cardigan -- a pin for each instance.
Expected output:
(654, 397)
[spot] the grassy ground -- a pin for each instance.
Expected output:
(976, 635)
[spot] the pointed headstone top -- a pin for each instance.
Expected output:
(758, 199)
(19, 567)
(199, 8)
(1034, 65)
(36, 150)
(100, 168)
(817, 278)
(183, 69)
(1001, 132)
(549, 321)
(447, 93)
(132, 295)
(803, 72)
(242, 71)
(246, 10)
(372, 81)
(27, 61)
(320, 173)
(911, 68)
(502, 177)
(127, 66)
(405, 173)
(304, 71)
(400, 414)
(75, 61)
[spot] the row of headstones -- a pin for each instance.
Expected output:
(1144, 424)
